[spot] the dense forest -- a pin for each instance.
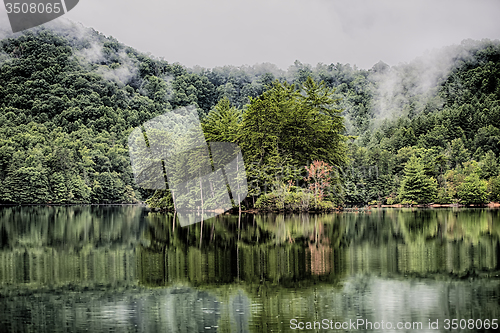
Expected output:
(317, 137)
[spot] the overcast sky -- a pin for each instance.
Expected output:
(245, 32)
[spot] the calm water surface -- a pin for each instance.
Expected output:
(124, 269)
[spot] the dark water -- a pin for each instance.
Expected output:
(123, 269)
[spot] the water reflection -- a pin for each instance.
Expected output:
(49, 247)
(115, 268)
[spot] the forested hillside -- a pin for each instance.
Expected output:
(444, 150)
(427, 131)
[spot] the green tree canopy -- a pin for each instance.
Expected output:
(287, 127)
(416, 186)
(222, 122)
(473, 190)
(300, 123)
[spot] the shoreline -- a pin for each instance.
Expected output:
(455, 205)
(259, 211)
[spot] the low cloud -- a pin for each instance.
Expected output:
(408, 88)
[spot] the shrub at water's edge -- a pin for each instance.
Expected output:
(293, 201)
(317, 185)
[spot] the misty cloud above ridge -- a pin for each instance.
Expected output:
(227, 32)
(217, 33)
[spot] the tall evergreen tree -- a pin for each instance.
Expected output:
(416, 186)
(222, 124)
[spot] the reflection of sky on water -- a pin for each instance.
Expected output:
(236, 309)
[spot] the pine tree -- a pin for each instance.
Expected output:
(416, 186)
(58, 186)
(222, 122)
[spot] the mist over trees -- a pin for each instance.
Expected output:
(70, 96)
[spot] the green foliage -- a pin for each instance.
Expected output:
(65, 117)
(473, 190)
(458, 153)
(416, 187)
(494, 189)
(301, 127)
(454, 123)
(292, 198)
(222, 124)
(292, 201)
(64, 126)
(489, 166)
(161, 199)
(288, 127)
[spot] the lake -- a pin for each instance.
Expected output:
(126, 269)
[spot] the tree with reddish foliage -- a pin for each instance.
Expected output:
(318, 176)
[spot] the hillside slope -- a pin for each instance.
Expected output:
(70, 96)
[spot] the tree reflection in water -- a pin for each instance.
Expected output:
(124, 267)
